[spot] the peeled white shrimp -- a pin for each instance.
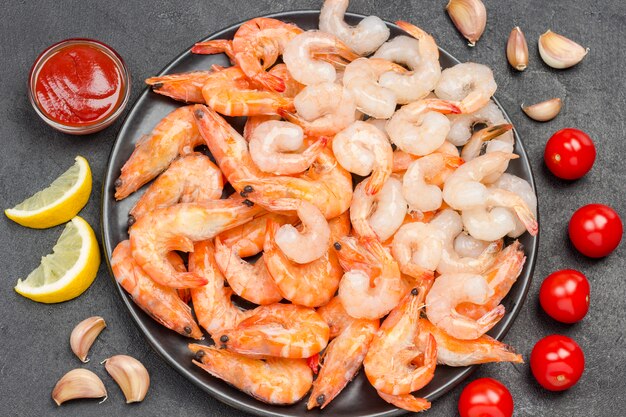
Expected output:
(462, 125)
(450, 290)
(417, 247)
(488, 224)
(361, 78)
(420, 128)
(274, 145)
(472, 148)
(323, 109)
(309, 244)
(303, 67)
(363, 38)
(421, 56)
(420, 195)
(467, 246)
(464, 190)
(378, 124)
(523, 189)
(450, 225)
(363, 149)
(380, 215)
(469, 83)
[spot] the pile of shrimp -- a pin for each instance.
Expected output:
(402, 272)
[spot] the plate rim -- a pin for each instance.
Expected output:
(107, 183)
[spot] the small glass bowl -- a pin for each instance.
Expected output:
(86, 128)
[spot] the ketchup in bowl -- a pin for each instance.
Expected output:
(79, 86)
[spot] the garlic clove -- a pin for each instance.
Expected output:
(78, 383)
(560, 52)
(130, 375)
(469, 17)
(84, 334)
(517, 49)
(544, 111)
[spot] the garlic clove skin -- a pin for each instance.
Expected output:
(130, 375)
(78, 383)
(560, 52)
(84, 334)
(517, 49)
(544, 111)
(469, 17)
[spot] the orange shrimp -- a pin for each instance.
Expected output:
(229, 92)
(407, 402)
(283, 330)
(161, 303)
(176, 134)
(191, 178)
(394, 363)
(311, 284)
(186, 87)
(271, 380)
(215, 46)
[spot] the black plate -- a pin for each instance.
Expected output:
(359, 398)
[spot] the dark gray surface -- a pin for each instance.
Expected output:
(34, 349)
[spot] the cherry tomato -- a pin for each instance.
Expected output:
(564, 295)
(595, 230)
(569, 154)
(485, 397)
(557, 362)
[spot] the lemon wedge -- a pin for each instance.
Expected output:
(69, 270)
(57, 203)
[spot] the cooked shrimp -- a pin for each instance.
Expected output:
(335, 316)
(395, 364)
(372, 284)
(176, 228)
(466, 245)
(524, 190)
(471, 84)
(292, 87)
(322, 109)
(274, 147)
(420, 55)
(271, 380)
(176, 134)
(417, 247)
(402, 160)
(472, 148)
(186, 87)
(283, 330)
(250, 281)
(407, 402)
(363, 149)
(229, 92)
(191, 178)
(361, 78)
(215, 46)
(457, 352)
(307, 70)
(343, 356)
(450, 225)
(326, 184)
(249, 237)
(419, 194)
(462, 125)
(363, 38)
(253, 122)
(161, 303)
(420, 128)
(450, 290)
(488, 224)
(312, 241)
(312, 284)
(500, 278)
(258, 43)
(379, 215)
(212, 302)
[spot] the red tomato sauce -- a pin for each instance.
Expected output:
(79, 85)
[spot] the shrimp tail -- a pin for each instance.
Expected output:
(490, 319)
(189, 280)
(493, 132)
(444, 106)
(180, 243)
(215, 46)
(406, 402)
(527, 218)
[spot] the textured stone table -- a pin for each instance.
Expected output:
(34, 349)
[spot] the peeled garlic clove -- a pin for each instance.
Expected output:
(84, 334)
(560, 52)
(78, 383)
(130, 375)
(544, 111)
(469, 17)
(517, 49)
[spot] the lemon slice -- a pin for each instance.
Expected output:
(58, 203)
(69, 270)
